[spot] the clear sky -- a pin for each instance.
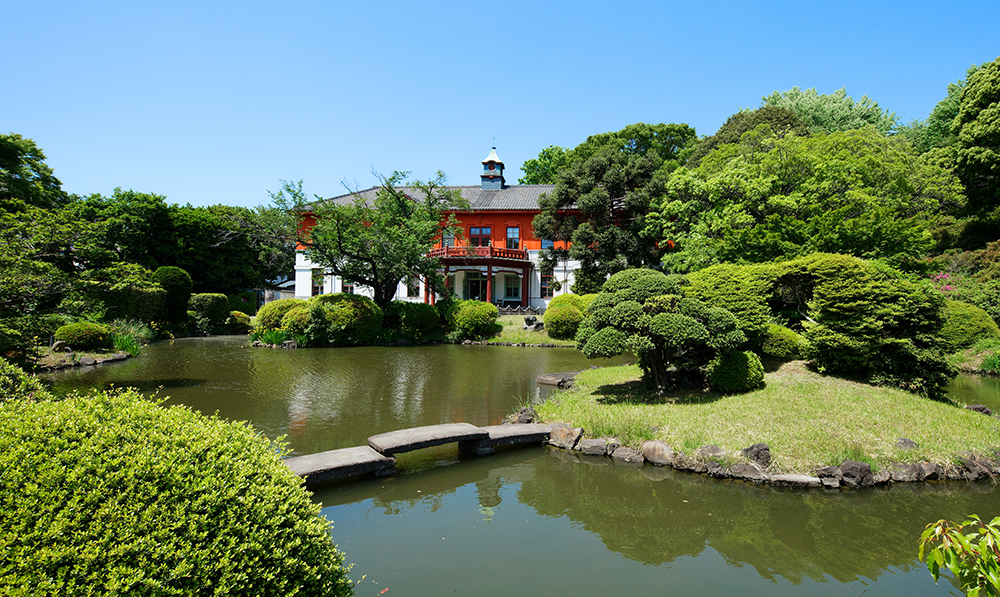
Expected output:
(211, 102)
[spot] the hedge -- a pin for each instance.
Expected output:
(475, 319)
(562, 321)
(111, 494)
(736, 371)
(783, 343)
(210, 311)
(84, 336)
(177, 283)
(15, 384)
(269, 316)
(964, 324)
(354, 320)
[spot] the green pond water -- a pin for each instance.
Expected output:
(539, 520)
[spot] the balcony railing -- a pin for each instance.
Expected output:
(479, 252)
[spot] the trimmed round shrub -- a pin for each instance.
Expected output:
(84, 336)
(783, 343)
(111, 494)
(562, 321)
(964, 324)
(476, 319)
(355, 320)
(574, 300)
(269, 316)
(411, 320)
(15, 384)
(177, 283)
(297, 319)
(238, 323)
(210, 311)
(736, 371)
(244, 301)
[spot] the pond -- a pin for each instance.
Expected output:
(538, 520)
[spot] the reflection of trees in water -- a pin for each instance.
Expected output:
(780, 533)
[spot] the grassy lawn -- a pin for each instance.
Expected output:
(513, 332)
(806, 419)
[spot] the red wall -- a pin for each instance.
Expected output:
(498, 221)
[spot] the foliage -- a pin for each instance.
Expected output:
(602, 197)
(781, 120)
(735, 372)
(562, 321)
(244, 301)
(270, 315)
(474, 319)
(573, 300)
(783, 343)
(935, 131)
(964, 324)
(238, 322)
(84, 335)
(142, 332)
(210, 311)
(379, 238)
(15, 384)
(644, 312)
(744, 291)
(411, 320)
(350, 320)
(25, 178)
(124, 291)
(296, 320)
(270, 335)
(177, 283)
(124, 343)
(111, 494)
(545, 168)
(834, 112)
(971, 550)
(977, 128)
(768, 198)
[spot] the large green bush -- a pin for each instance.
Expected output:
(783, 343)
(111, 494)
(475, 319)
(743, 290)
(84, 335)
(126, 291)
(736, 371)
(411, 320)
(244, 301)
(355, 320)
(237, 323)
(297, 319)
(575, 300)
(210, 311)
(15, 384)
(270, 315)
(964, 324)
(562, 321)
(177, 283)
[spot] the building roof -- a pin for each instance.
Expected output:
(493, 157)
(514, 197)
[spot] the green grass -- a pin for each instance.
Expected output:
(806, 419)
(513, 332)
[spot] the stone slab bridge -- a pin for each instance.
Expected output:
(377, 457)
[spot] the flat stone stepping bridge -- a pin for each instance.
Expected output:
(377, 457)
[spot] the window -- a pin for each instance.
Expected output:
(317, 282)
(347, 287)
(412, 287)
(513, 237)
(547, 286)
(479, 236)
(448, 240)
(546, 244)
(512, 287)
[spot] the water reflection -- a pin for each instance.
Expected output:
(585, 526)
(975, 389)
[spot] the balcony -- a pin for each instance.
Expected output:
(479, 253)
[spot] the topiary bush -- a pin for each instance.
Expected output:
(562, 321)
(783, 343)
(964, 324)
(270, 315)
(735, 371)
(354, 320)
(111, 494)
(244, 301)
(15, 384)
(297, 319)
(177, 283)
(574, 300)
(84, 336)
(237, 323)
(411, 320)
(210, 311)
(475, 319)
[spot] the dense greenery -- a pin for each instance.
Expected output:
(15, 384)
(473, 320)
(964, 324)
(977, 131)
(834, 112)
(84, 336)
(970, 550)
(111, 494)
(211, 310)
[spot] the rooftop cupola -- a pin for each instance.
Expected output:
(492, 176)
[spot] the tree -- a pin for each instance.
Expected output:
(781, 120)
(977, 128)
(377, 239)
(971, 550)
(834, 112)
(602, 196)
(545, 168)
(935, 131)
(25, 178)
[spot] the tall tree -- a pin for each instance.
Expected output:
(545, 168)
(781, 120)
(602, 197)
(977, 149)
(935, 131)
(25, 178)
(834, 112)
(377, 240)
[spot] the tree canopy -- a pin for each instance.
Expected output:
(781, 120)
(834, 112)
(25, 178)
(377, 241)
(977, 148)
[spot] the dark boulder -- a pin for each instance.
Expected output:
(759, 454)
(856, 474)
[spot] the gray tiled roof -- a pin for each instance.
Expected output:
(513, 197)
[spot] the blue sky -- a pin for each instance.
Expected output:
(215, 102)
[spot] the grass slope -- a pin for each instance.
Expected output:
(806, 419)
